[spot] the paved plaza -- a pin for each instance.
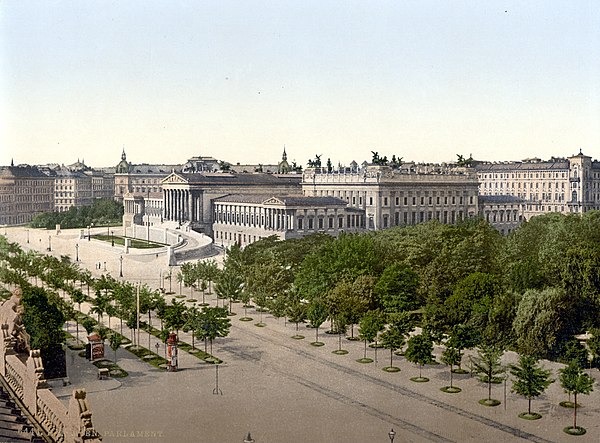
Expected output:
(286, 391)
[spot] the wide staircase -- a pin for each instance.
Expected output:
(13, 425)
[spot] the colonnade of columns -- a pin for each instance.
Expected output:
(266, 218)
(182, 205)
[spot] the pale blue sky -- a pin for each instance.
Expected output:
(237, 80)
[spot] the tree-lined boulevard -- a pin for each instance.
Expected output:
(286, 390)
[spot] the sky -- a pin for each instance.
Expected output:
(237, 80)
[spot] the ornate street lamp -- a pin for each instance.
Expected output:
(76, 251)
(391, 435)
(89, 238)
(121, 266)
(248, 439)
(105, 266)
(112, 238)
(27, 235)
(49, 243)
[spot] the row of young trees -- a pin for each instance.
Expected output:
(65, 285)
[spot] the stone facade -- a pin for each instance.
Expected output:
(570, 185)
(398, 197)
(187, 198)
(244, 219)
(25, 191)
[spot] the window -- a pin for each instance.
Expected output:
(320, 222)
(330, 222)
(311, 223)
(385, 201)
(370, 201)
(300, 223)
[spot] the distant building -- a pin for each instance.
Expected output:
(78, 185)
(71, 188)
(140, 179)
(25, 191)
(246, 218)
(504, 212)
(396, 197)
(565, 185)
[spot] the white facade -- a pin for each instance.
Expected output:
(397, 197)
(569, 185)
(244, 219)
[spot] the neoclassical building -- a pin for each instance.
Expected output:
(246, 218)
(187, 198)
(395, 197)
(565, 185)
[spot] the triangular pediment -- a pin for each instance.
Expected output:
(273, 201)
(175, 178)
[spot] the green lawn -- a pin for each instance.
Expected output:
(135, 243)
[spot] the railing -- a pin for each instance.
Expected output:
(26, 384)
(51, 414)
(15, 371)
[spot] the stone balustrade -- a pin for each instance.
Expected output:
(23, 375)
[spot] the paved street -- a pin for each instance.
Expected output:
(284, 390)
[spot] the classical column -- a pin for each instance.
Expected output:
(189, 213)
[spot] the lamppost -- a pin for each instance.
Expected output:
(76, 251)
(49, 243)
(27, 230)
(105, 266)
(157, 346)
(121, 266)
(89, 238)
(112, 238)
(391, 435)
(249, 439)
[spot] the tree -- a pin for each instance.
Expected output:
(462, 337)
(317, 314)
(296, 312)
(452, 357)
(191, 322)
(472, 299)
(396, 289)
(574, 381)
(369, 326)
(78, 297)
(530, 380)
(488, 368)
(88, 324)
(43, 320)
(542, 322)
(212, 322)
(419, 351)
(392, 339)
(115, 340)
(174, 316)
(229, 286)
